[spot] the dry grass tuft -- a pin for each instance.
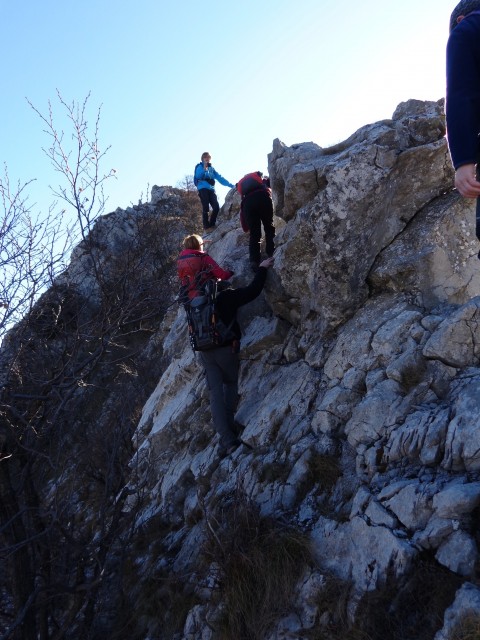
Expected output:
(413, 609)
(325, 470)
(260, 561)
(468, 629)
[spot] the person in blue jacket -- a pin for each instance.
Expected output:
(204, 178)
(463, 98)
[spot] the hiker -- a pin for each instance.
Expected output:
(256, 209)
(222, 363)
(204, 179)
(463, 98)
(195, 267)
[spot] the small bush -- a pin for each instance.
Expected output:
(325, 470)
(468, 629)
(157, 599)
(260, 561)
(412, 609)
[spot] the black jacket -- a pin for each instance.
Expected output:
(463, 90)
(230, 300)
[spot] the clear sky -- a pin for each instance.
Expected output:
(176, 78)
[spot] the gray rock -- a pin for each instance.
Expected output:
(458, 553)
(361, 553)
(436, 532)
(466, 604)
(411, 504)
(457, 499)
(456, 342)
(462, 443)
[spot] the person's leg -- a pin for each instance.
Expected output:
(205, 200)
(477, 175)
(253, 220)
(229, 364)
(215, 207)
(218, 407)
(268, 226)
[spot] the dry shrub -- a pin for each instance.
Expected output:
(332, 607)
(326, 470)
(260, 561)
(468, 629)
(410, 610)
(78, 369)
(157, 600)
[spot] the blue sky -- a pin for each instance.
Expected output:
(178, 78)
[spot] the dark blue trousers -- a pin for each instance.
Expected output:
(258, 211)
(221, 366)
(208, 198)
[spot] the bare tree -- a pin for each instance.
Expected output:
(77, 381)
(64, 440)
(35, 245)
(187, 184)
(32, 251)
(77, 157)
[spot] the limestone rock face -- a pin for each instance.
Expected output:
(359, 391)
(358, 214)
(363, 348)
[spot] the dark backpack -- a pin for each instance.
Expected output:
(195, 179)
(250, 182)
(206, 330)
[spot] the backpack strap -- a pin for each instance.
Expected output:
(259, 188)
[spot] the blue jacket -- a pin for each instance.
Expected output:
(201, 174)
(463, 91)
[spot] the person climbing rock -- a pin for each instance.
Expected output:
(204, 179)
(222, 363)
(195, 267)
(256, 209)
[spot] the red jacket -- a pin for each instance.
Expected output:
(195, 267)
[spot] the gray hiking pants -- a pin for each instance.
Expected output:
(221, 367)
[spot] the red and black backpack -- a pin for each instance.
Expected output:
(250, 182)
(193, 272)
(205, 328)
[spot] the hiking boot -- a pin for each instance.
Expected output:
(224, 452)
(237, 428)
(230, 448)
(246, 445)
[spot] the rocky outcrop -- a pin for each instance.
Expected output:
(361, 357)
(359, 393)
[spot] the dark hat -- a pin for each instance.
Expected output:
(463, 8)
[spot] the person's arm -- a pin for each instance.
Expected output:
(463, 103)
(466, 181)
(216, 270)
(235, 298)
(222, 180)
